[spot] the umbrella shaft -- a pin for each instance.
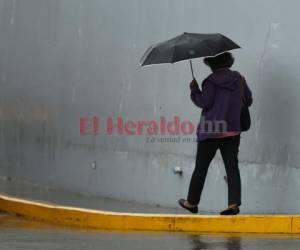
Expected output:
(192, 70)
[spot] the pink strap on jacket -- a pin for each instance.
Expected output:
(228, 134)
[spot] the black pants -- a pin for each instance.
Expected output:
(206, 150)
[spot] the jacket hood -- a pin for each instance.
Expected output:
(225, 78)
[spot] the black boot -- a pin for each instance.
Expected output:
(193, 209)
(231, 211)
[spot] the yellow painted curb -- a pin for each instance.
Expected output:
(87, 218)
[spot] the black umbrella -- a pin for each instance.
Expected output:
(187, 46)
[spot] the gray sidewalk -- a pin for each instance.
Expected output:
(17, 233)
(40, 193)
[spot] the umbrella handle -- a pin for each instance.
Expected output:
(192, 70)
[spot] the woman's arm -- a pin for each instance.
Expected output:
(203, 99)
(248, 100)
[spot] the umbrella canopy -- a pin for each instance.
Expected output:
(187, 46)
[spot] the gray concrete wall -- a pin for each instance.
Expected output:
(63, 59)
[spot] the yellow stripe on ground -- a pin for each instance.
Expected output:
(87, 218)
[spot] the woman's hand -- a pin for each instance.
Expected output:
(194, 84)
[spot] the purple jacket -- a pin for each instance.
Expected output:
(220, 101)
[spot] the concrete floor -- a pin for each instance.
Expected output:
(41, 193)
(17, 233)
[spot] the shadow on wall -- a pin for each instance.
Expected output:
(277, 124)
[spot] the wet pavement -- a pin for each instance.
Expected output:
(17, 233)
(40, 193)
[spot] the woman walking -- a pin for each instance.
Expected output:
(223, 94)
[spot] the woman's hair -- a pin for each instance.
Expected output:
(224, 60)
